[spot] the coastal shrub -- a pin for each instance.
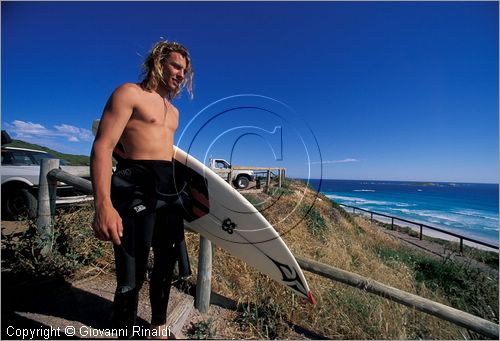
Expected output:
(280, 191)
(266, 319)
(467, 288)
(72, 245)
(487, 257)
(201, 330)
(315, 222)
(346, 215)
(253, 199)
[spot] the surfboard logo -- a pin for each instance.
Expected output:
(228, 226)
(290, 277)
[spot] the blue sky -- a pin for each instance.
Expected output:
(382, 91)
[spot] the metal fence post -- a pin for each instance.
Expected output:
(46, 203)
(203, 282)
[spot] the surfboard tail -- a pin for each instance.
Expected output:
(311, 298)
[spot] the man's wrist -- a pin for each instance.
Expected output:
(103, 204)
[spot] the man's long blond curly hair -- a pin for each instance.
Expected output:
(152, 68)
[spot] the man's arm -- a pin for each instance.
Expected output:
(118, 110)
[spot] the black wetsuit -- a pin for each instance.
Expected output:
(144, 193)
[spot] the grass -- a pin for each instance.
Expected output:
(487, 257)
(71, 246)
(316, 224)
(466, 288)
(201, 330)
(264, 318)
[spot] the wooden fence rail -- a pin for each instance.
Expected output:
(442, 311)
(393, 218)
(46, 208)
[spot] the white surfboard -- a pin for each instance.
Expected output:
(221, 214)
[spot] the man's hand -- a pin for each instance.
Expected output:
(108, 224)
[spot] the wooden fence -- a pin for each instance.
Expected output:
(269, 173)
(460, 237)
(50, 174)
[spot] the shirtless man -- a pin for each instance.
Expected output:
(141, 118)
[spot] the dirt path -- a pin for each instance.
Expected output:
(81, 309)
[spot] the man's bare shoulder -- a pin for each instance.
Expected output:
(128, 94)
(128, 89)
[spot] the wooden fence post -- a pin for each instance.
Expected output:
(279, 178)
(46, 203)
(268, 181)
(203, 282)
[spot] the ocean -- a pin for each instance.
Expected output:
(468, 209)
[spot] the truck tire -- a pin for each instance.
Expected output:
(242, 181)
(19, 203)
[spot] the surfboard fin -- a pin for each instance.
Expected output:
(311, 297)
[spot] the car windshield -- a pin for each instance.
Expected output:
(23, 157)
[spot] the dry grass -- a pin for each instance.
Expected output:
(341, 312)
(312, 228)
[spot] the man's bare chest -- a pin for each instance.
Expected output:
(156, 114)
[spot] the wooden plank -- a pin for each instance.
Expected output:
(256, 168)
(179, 315)
(82, 171)
(458, 317)
(67, 178)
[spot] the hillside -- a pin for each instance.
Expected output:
(70, 159)
(328, 234)
(315, 228)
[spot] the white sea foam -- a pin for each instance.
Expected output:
(359, 201)
(476, 223)
(476, 213)
(404, 204)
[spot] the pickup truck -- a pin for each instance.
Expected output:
(240, 178)
(20, 173)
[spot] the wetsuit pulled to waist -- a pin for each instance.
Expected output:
(153, 176)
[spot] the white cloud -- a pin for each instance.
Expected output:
(73, 133)
(348, 160)
(26, 129)
(30, 130)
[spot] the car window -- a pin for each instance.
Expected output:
(37, 157)
(220, 165)
(23, 157)
(6, 158)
